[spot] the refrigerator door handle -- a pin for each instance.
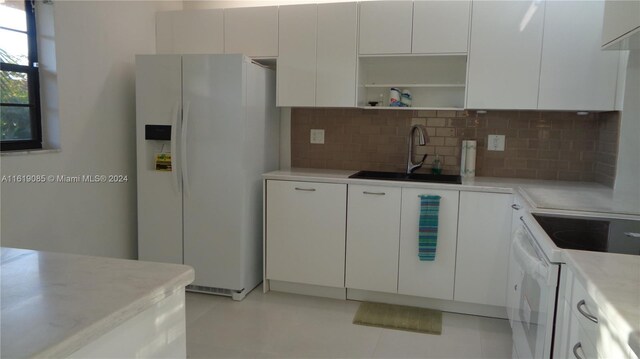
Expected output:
(183, 149)
(174, 146)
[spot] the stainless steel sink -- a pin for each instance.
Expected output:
(413, 177)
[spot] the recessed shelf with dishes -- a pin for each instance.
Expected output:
(435, 82)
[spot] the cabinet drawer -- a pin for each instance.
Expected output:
(580, 344)
(585, 309)
(305, 232)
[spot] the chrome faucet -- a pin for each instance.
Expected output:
(423, 139)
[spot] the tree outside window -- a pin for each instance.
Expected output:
(20, 126)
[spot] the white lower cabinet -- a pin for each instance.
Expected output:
(373, 227)
(366, 238)
(582, 330)
(433, 279)
(484, 232)
(305, 232)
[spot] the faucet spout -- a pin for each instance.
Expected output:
(423, 139)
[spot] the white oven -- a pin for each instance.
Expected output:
(531, 295)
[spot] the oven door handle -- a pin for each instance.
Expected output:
(530, 261)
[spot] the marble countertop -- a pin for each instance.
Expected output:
(54, 304)
(478, 184)
(613, 281)
(583, 199)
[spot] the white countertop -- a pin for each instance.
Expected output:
(477, 184)
(600, 200)
(581, 198)
(612, 279)
(54, 304)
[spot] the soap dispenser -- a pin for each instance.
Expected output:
(436, 167)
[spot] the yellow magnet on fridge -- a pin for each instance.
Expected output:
(163, 162)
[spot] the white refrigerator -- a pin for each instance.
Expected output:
(213, 119)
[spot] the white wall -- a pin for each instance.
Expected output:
(628, 167)
(95, 44)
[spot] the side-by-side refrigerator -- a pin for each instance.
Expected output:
(207, 128)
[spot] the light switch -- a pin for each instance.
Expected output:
(495, 143)
(317, 136)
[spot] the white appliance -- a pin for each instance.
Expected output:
(531, 292)
(215, 116)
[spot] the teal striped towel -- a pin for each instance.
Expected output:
(428, 227)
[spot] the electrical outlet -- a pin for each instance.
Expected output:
(495, 143)
(317, 136)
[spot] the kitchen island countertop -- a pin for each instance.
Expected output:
(54, 304)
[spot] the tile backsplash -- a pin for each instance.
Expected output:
(541, 145)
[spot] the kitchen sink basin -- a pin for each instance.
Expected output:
(413, 177)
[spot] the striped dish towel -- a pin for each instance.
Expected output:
(428, 227)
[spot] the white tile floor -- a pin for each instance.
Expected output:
(280, 325)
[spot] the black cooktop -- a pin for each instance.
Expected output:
(592, 234)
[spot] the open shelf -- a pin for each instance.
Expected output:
(435, 82)
(411, 108)
(414, 85)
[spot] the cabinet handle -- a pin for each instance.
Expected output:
(374, 193)
(516, 207)
(305, 189)
(587, 315)
(575, 350)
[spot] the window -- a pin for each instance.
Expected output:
(20, 91)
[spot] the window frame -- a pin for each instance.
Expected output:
(33, 83)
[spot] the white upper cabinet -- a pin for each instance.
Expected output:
(385, 27)
(297, 55)
(504, 54)
(336, 55)
(252, 31)
(190, 32)
(575, 73)
(621, 29)
(317, 58)
(440, 26)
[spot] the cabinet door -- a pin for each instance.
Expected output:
(373, 229)
(484, 232)
(385, 27)
(336, 55)
(504, 54)
(252, 31)
(190, 32)
(575, 73)
(306, 224)
(296, 73)
(433, 279)
(440, 26)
